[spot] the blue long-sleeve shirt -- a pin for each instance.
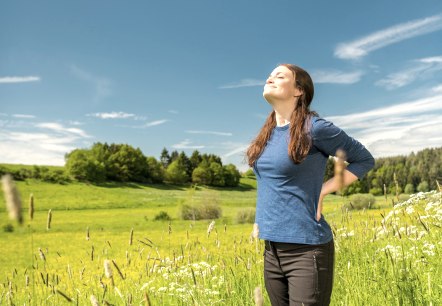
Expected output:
(288, 193)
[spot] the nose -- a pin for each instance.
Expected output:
(269, 80)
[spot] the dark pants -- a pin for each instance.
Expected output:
(299, 274)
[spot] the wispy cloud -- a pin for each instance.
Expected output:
(172, 111)
(336, 76)
(234, 152)
(186, 144)
(241, 149)
(145, 125)
(319, 76)
(154, 123)
(102, 85)
(421, 69)
(364, 45)
(398, 129)
(56, 127)
(75, 122)
(244, 83)
(112, 115)
(23, 116)
(21, 79)
(210, 133)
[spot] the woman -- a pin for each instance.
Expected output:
(289, 157)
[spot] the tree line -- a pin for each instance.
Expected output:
(402, 174)
(120, 162)
(124, 163)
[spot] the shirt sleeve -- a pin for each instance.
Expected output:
(328, 138)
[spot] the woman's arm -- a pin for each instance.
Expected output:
(331, 186)
(329, 139)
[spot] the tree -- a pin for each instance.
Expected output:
(217, 174)
(128, 164)
(202, 175)
(83, 167)
(156, 170)
(165, 158)
(176, 173)
(186, 162)
(231, 175)
(174, 156)
(210, 158)
(195, 159)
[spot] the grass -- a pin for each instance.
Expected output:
(380, 259)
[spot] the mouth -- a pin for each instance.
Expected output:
(269, 85)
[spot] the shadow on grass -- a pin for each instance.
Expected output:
(140, 185)
(112, 184)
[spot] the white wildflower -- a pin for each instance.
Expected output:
(210, 228)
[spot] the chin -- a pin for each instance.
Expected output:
(268, 95)
(268, 98)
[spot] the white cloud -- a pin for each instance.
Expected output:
(364, 45)
(244, 83)
(398, 129)
(433, 59)
(112, 115)
(437, 88)
(41, 148)
(23, 116)
(210, 133)
(186, 144)
(421, 69)
(15, 79)
(336, 77)
(102, 85)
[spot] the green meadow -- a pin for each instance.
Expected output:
(104, 247)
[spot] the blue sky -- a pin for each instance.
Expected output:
(188, 75)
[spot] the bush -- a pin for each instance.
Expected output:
(249, 173)
(361, 200)
(403, 197)
(423, 186)
(8, 228)
(376, 191)
(409, 189)
(200, 212)
(246, 215)
(162, 216)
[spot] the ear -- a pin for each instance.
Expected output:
(298, 92)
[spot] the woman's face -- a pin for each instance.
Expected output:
(280, 85)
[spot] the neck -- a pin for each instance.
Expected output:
(283, 113)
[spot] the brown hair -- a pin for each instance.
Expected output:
(300, 140)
